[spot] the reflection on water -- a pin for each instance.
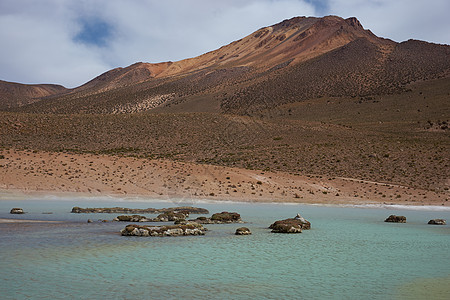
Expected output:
(349, 253)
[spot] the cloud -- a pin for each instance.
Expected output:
(71, 41)
(399, 20)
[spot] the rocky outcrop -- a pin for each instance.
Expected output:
(113, 210)
(396, 219)
(243, 231)
(170, 217)
(220, 218)
(133, 218)
(168, 230)
(164, 217)
(17, 211)
(292, 225)
(437, 222)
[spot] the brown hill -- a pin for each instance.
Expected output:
(16, 94)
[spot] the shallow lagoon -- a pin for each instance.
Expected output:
(349, 253)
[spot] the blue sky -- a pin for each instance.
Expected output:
(69, 42)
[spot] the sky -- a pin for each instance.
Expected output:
(69, 42)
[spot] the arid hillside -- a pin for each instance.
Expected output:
(16, 94)
(401, 138)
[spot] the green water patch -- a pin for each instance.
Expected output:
(425, 288)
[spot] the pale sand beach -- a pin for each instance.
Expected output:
(27, 173)
(2, 220)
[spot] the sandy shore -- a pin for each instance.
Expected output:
(25, 221)
(25, 173)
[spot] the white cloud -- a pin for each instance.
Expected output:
(38, 37)
(399, 20)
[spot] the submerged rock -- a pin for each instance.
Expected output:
(292, 225)
(437, 222)
(396, 219)
(243, 231)
(17, 211)
(167, 230)
(112, 210)
(220, 218)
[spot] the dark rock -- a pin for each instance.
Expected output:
(396, 219)
(17, 211)
(89, 221)
(243, 231)
(168, 230)
(170, 217)
(133, 218)
(286, 228)
(437, 222)
(220, 218)
(227, 217)
(112, 210)
(181, 222)
(292, 225)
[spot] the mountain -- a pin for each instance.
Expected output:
(297, 59)
(317, 96)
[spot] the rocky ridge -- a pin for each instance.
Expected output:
(166, 230)
(182, 209)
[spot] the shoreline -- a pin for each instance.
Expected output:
(85, 199)
(27, 175)
(6, 220)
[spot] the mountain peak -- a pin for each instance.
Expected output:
(354, 22)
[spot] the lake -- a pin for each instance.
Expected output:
(349, 253)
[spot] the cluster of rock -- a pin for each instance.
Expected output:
(167, 230)
(195, 227)
(220, 218)
(291, 225)
(164, 217)
(123, 210)
(17, 211)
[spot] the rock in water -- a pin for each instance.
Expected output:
(171, 216)
(133, 218)
(396, 219)
(168, 230)
(243, 231)
(17, 211)
(220, 218)
(110, 210)
(437, 222)
(303, 220)
(292, 225)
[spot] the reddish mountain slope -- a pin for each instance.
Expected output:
(297, 59)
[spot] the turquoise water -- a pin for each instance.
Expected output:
(349, 253)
